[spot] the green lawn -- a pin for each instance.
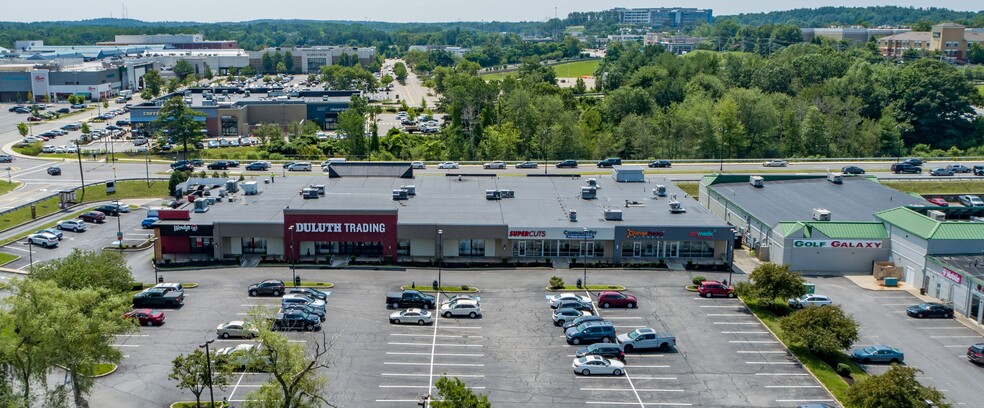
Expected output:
(577, 68)
(7, 258)
(937, 187)
(980, 88)
(6, 187)
(689, 188)
(191, 404)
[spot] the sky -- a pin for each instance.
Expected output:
(397, 10)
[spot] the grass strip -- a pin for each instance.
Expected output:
(937, 187)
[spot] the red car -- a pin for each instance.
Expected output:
(34, 119)
(146, 317)
(939, 201)
(93, 216)
(616, 299)
(714, 288)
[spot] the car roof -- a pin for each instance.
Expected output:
(645, 330)
(235, 323)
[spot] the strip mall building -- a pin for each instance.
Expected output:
(543, 219)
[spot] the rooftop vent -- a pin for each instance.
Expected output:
(659, 191)
(821, 214)
(936, 215)
(572, 214)
(493, 195)
(676, 207)
(593, 182)
(589, 193)
(613, 215)
(400, 194)
(411, 190)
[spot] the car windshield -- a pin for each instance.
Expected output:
(634, 334)
(582, 360)
(870, 350)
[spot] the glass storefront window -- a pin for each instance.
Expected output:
(230, 126)
(552, 248)
(471, 247)
(667, 249)
(254, 245)
(374, 248)
(403, 247)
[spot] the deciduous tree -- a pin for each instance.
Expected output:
(153, 83)
(86, 269)
(769, 282)
(897, 387)
(191, 373)
(453, 393)
(824, 331)
(180, 123)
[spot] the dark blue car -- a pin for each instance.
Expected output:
(148, 222)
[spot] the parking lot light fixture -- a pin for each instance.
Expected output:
(440, 258)
(584, 281)
(208, 366)
(30, 254)
(293, 257)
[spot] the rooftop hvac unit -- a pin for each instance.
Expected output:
(676, 207)
(936, 215)
(613, 215)
(309, 193)
(493, 195)
(201, 206)
(231, 186)
(572, 214)
(507, 193)
(593, 182)
(400, 194)
(320, 188)
(589, 193)
(820, 214)
(660, 190)
(411, 190)
(836, 178)
(756, 181)
(976, 219)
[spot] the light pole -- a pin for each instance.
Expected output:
(78, 151)
(293, 259)
(440, 258)
(208, 366)
(584, 279)
(30, 254)
(153, 260)
(119, 227)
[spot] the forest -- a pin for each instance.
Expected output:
(864, 16)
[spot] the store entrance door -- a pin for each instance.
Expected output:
(587, 248)
(521, 248)
(637, 249)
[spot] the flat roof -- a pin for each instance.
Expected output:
(857, 199)
(440, 200)
(259, 98)
(972, 265)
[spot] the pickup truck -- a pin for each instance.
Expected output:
(646, 338)
(410, 298)
(158, 297)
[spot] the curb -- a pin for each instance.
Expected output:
(615, 288)
(472, 289)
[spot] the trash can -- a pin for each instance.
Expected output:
(297, 281)
(579, 284)
(810, 288)
(160, 279)
(435, 285)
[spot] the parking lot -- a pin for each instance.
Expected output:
(513, 352)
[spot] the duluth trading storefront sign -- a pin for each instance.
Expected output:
(820, 243)
(342, 227)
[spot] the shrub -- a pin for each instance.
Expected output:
(556, 282)
(698, 279)
(465, 287)
(843, 369)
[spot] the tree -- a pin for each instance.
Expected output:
(400, 70)
(281, 67)
(579, 87)
(897, 388)
(153, 83)
(191, 373)
(84, 128)
(180, 123)
(208, 72)
(105, 103)
(824, 331)
(86, 269)
(454, 394)
(770, 281)
(288, 61)
(172, 85)
(177, 177)
(183, 69)
(269, 132)
(23, 129)
(936, 100)
(266, 60)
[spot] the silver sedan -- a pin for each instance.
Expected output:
(597, 365)
(411, 316)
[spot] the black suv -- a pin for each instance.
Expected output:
(271, 287)
(219, 165)
(609, 162)
(567, 163)
(108, 209)
(979, 170)
(576, 304)
(296, 320)
(591, 332)
(905, 168)
(606, 350)
(304, 308)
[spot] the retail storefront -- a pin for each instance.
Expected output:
(830, 247)
(329, 232)
(188, 239)
(958, 279)
(561, 242)
(668, 243)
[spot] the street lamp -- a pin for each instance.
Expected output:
(153, 259)
(119, 227)
(440, 258)
(30, 253)
(584, 279)
(208, 366)
(78, 151)
(293, 259)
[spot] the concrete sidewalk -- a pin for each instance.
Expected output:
(868, 282)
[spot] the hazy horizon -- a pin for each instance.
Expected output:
(423, 11)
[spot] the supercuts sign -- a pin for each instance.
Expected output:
(561, 233)
(835, 243)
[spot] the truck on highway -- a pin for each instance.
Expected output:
(410, 298)
(158, 297)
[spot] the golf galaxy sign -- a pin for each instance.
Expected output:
(836, 243)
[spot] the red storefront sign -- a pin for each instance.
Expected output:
(341, 228)
(952, 276)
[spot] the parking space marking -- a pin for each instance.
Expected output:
(627, 376)
(438, 375)
(792, 386)
(629, 389)
(669, 404)
(395, 353)
(754, 341)
(956, 345)
(398, 400)
(761, 352)
(804, 400)
(619, 378)
(436, 335)
(728, 314)
(131, 335)
(719, 306)
(941, 328)
(954, 337)
(628, 327)
(124, 345)
(737, 323)
(435, 364)
(623, 318)
(772, 362)
(784, 374)
(744, 332)
(438, 344)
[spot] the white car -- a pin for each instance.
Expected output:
(563, 297)
(494, 165)
(447, 165)
(418, 165)
(47, 149)
(123, 208)
(236, 328)
(412, 316)
(73, 225)
(60, 149)
(809, 300)
(597, 365)
(971, 201)
(30, 139)
(71, 149)
(302, 166)
(43, 239)
(461, 307)
(775, 163)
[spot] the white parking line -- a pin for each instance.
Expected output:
(792, 386)
(744, 332)
(804, 400)
(438, 375)
(754, 341)
(721, 306)
(435, 335)
(124, 345)
(429, 344)
(637, 378)
(668, 404)
(436, 354)
(647, 366)
(627, 376)
(236, 387)
(728, 314)
(629, 327)
(941, 328)
(761, 352)
(629, 389)
(436, 364)
(736, 323)
(623, 318)
(956, 346)
(785, 374)
(131, 335)
(418, 386)
(398, 400)
(771, 362)
(954, 337)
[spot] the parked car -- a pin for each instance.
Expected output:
(181, 163)
(582, 319)
(939, 201)
(971, 201)
(321, 313)
(462, 297)
(410, 298)
(939, 171)
(958, 168)
(561, 297)
(418, 165)
(269, 287)
(609, 162)
(591, 332)
(246, 357)
(975, 353)
(219, 165)
(317, 294)
(494, 165)
(73, 225)
(852, 170)
(711, 288)
(93, 216)
(108, 209)
(54, 171)
(148, 222)
(526, 165)
(617, 299)
(576, 304)
(809, 300)
(257, 166)
(571, 164)
(461, 307)
(6, 158)
(878, 354)
(43, 239)
(564, 315)
(296, 320)
(905, 168)
(646, 338)
(606, 350)
(411, 316)
(597, 365)
(930, 310)
(146, 317)
(302, 299)
(775, 163)
(158, 297)
(448, 165)
(660, 163)
(236, 328)
(53, 231)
